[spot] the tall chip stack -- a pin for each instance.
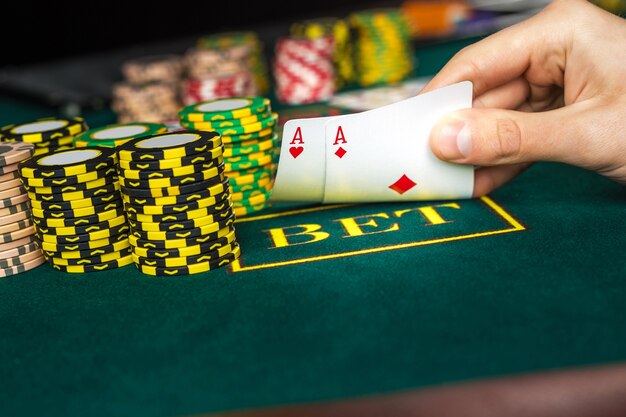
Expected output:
(178, 203)
(77, 210)
(18, 251)
(383, 48)
(218, 72)
(115, 135)
(304, 70)
(256, 59)
(247, 127)
(49, 134)
(150, 92)
(339, 30)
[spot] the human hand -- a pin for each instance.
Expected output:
(551, 88)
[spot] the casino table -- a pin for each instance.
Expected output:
(329, 303)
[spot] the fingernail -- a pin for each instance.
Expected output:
(454, 140)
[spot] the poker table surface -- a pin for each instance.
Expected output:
(331, 302)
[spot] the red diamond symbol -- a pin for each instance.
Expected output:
(341, 152)
(403, 184)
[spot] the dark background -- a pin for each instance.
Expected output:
(56, 30)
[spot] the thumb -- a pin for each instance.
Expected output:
(502, 137)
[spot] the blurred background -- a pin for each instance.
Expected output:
(71, 57)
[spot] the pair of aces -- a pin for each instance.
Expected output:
(374, 156)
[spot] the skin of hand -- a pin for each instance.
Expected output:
(551, 88)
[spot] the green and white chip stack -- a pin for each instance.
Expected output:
(247, 128)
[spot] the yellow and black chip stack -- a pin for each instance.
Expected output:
(383, 49)
(18, 251)
(77, 211)
(339, 30)
(111, 136)
(247, 127)
(178, 203)
(49, 134)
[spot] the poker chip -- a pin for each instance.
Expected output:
(154, 68)
(117, 134)
(81, 269)
(167, 175)
(383, 49)
(339, 31)
(189, 188)
(22, 267)
(112, 244)
(190, 260)
(100, 252)
(180, 243)
(171, 145)
(158, 164)
(195, 90)
(256, 61)
(68, 163)
(225, 109)
(76, 206)
(192, 269)
(153, 102)
(94, 260)
(187, 251)
(18, 253)
(304, 70)
(249, 144)
(46, 130)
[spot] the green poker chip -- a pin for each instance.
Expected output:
(251, 147)
(222, 124)
(117, 134)
(259, 126)
(225, 109)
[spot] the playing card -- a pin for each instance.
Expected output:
(384, 155)
(302, 166)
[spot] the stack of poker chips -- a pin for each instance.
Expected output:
(383, 49)
(247, 127)
(256, 61)
(339, 30)
(48, 134)
(18, 251)
(77, 210)
(150, 92)
(178, 203)
(115, 135)
(218, 72)
(304, 70)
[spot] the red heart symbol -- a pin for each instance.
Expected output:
(296, 150)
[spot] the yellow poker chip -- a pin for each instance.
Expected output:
(182, 224)
(81, 212)
(63, 189)
(252, 201)
(70, 180)
(250, 128)
(68, 163)
(180, 208)
(246, 195)
(249, 157)
(212, 156)
(186, 260)
(248, 164)
(118, 246)
(222, 124)
(117, 241)
(189, 170)
(185, 251)
(82, 229)
(80, 269)
(192, 269)
(77, 195)
(243, 211)
(179, 243)
(213, 190)
(43, 130)
(264, 182)
(170, 145)
(164, 181)
(252, 178)
(185, 215)
(107, 257)
(184, 234)
(44, 234)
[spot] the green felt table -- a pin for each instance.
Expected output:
(331, 302)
